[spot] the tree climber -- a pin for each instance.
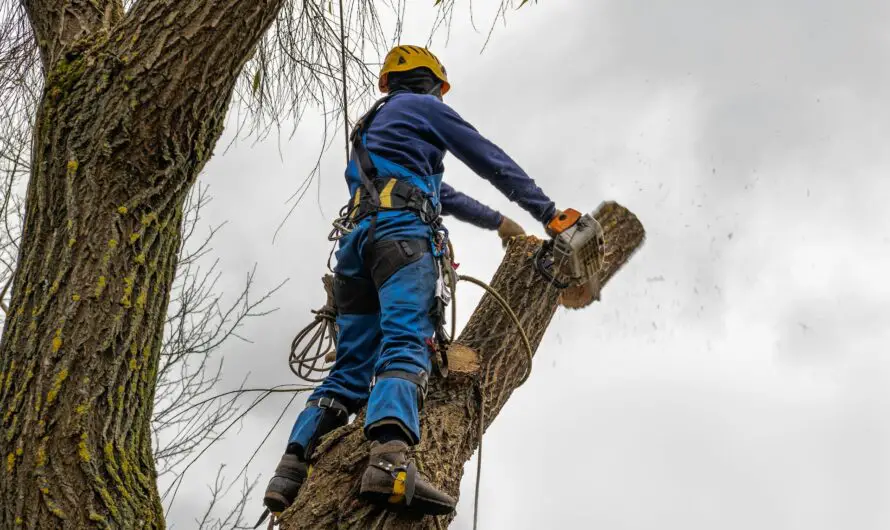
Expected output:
(386, 275)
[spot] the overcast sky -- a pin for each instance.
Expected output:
(735, 374)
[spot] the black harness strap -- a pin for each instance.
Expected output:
(334, 415)
(329, 403)
(367, 172)
(402, 195)
(399, 194)
(421, 380)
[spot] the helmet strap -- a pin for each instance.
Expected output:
(436, 90)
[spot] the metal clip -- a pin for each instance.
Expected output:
(429, 213)
(342, 228)
(326, 403)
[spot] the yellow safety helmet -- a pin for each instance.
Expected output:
(404, 58)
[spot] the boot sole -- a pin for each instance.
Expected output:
(419, 505)
(275, 502)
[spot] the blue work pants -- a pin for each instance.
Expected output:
(389, 334)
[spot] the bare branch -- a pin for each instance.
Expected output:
(234, 518)
(199, 322)
(173, 488)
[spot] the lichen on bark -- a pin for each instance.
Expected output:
(122, 131)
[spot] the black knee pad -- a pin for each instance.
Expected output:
(355, 296)
(387, 257)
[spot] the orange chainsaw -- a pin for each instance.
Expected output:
(572, 259)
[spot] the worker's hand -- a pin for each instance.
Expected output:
(547, 229)
(508, 230)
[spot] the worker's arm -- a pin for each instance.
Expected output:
(468, 209)
(487, 160)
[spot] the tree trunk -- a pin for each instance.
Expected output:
(488, 361)
(132, 108)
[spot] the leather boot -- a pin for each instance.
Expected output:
(285, 484)
(393, 482)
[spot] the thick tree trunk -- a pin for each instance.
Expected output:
(132, 108)
(488, 362)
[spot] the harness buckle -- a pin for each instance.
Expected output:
(330, 403)
(403, 196)
(429, 212)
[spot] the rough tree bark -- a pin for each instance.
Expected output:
(132, 108)
(487, 362)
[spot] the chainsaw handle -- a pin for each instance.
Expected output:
(541, 258)
(563, 221)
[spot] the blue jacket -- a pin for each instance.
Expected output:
(416, 130)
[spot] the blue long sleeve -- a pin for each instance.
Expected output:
(415, 131)
(486, 159)
(468, 209)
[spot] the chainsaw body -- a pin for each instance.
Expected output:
(575, 256)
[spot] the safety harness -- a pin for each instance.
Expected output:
(393, 194)
(380, 194)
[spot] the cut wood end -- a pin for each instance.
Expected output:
(617, 221)
(579, 296)
(462, 359)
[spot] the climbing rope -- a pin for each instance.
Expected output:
(480, 396)
(506, 307)
(311, 361)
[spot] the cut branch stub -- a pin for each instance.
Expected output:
(487, 361)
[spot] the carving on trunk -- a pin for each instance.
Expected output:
(487, 361)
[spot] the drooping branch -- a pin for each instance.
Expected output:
(489, 365)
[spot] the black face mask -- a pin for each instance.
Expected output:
(419, 81)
